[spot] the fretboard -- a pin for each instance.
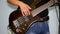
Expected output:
(43, 7)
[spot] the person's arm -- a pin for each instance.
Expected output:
(25, 9)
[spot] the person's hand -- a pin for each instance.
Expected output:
(17, 30)
(25, 9)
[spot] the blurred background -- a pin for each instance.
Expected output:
(6, 9)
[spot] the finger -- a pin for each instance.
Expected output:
(28, 11)
(22, 12)
(25, 12)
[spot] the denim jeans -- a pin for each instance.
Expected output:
(39, 28)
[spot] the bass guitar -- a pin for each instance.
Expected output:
(16, 20)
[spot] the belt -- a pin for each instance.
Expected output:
(42, 19)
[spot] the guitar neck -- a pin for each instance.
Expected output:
(43, 7)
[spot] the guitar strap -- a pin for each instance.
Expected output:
(33, 5)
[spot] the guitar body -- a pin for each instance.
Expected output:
(23, 22)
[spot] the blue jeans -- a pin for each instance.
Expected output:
(39, 28)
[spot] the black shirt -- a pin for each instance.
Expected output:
(42, 14)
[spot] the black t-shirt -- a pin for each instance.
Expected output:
(42, 14)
